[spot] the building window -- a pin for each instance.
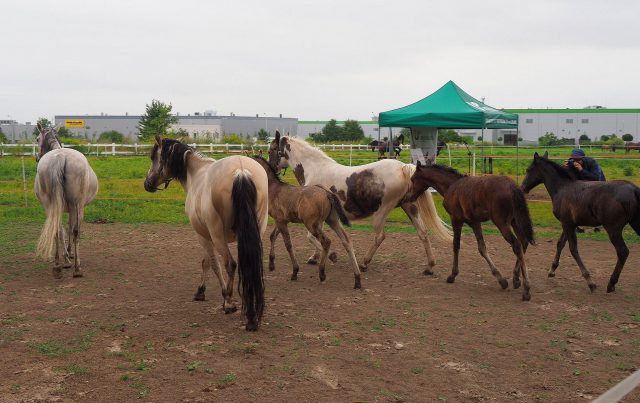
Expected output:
(584, 121)
(569, 121)
(528, 121)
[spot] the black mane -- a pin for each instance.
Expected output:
(560, 170)
(447, 169)
(271, 167)
(172, 156)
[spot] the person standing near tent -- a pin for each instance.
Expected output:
(585, 168)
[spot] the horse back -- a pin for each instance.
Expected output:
(480, 198)
(69, 169)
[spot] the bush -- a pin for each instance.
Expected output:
(627, 137)
(111, 136)
(232, 139)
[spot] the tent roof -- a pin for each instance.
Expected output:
(449, 107)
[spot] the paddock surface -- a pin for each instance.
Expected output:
(130, 328)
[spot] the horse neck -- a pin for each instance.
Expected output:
(441, 179)
(51, 143)
(194, 163)
(309, 157)
(552, 181)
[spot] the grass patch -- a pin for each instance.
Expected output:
(74, 369)
(227, 380)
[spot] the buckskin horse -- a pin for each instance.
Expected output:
(311, 206)
(610, 204)
(227, 200)
(475, 199)
(64, 182)
(370, 190)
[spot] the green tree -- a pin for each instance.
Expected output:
(450, 136)
(111, 136)
(63, 132)
(44, 122)
(352, 131)
(627, 137)
(232, 139)
(3, 137)
(263, 135)
(584, 139)
(156, 120)
(549, 139)
(604, 137)
(331, 131)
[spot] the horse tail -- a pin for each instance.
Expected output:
(521, 217)
(245, 224)
(427, 209)
(337, 207)
(51, 193)
(635, 220)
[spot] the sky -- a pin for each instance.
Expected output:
(312, 60)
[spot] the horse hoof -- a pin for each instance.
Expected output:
(363, 267)
(323, 277)
(67, 265)
(333, 257)
(516, 284)
(57, 272)
(312, 261)
(272, 268)
(610, 288)
(428, 272)
(592, 287)
(451, 279)
(294, 277)
(551, 274)
(504, 283)
(230, 309)
(198, 297)
(251, 327)
(77, 274)
(357, 284)
(526, 297)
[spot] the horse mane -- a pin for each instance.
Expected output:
(173, 153)
(560, 171)
(304, 144)
(271, 167)
(446, 169)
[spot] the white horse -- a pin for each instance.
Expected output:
(366, 190)
(227, 200)
(64, 183)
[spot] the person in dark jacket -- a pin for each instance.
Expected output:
(586, 169)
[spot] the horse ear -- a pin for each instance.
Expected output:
(546, 155)
(277, 136)
(158, 139)
(418, 164)
(535, 155)
(39, 126)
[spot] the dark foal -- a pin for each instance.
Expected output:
(473, 200)
(584, 203)
(312, 206)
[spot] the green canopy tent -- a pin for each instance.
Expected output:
(447, 108)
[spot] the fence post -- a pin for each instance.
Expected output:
(473, 169)
(211, 147)
(33, 150)
(135, 148)
(113, 148)
(350, 153)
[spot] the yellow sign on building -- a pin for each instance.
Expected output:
(74, 123)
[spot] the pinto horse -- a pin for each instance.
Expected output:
(473, 200)
(367, 190)
(227, 200)
(576, 203)
(64, 183)
(311, 206)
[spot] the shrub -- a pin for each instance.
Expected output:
(111, 136)
(627, 171)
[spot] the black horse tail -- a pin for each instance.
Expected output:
(521, 217)
(635, 220)
(247, 230)
(337, 207)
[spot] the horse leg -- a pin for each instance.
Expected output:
(615, 236)
(556, 260)
(335, 225)
(272, 254)
(482, 248)
(378, 227)
(569, 231)
(75, 217)
(316, 230)
(227, 305)
(457, 231)
(66, 245)
(313, 259)
(517, 267)
(412, 212)
(282, 227)
(57, 267)
(519, 250)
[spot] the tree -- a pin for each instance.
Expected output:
(156, 120)
(549, 139)
(111, 136)
(604, 137)
(352, 131)
(331, 131)
(627, 137)
(585, 139)
(3, 137)
(44, 122)
(450, 136)
(263, 135)
(64, 132)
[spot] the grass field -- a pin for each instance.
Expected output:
(122, 198)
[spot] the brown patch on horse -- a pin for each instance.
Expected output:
(364, 193)
(340, 193)
(298, 171)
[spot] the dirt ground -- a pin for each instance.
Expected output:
(130, 329)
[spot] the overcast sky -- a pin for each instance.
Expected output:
(312, 59)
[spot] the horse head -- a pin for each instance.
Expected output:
(534, 175)
(168, 162)
(419, 180)
(279, 152)
(47, 140)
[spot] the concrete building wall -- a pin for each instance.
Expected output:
(369, 127)
(16, 132)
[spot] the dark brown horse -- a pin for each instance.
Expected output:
(311, 206)
(584, 203)
(629, 146)
(473, 200)
(383, 146)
